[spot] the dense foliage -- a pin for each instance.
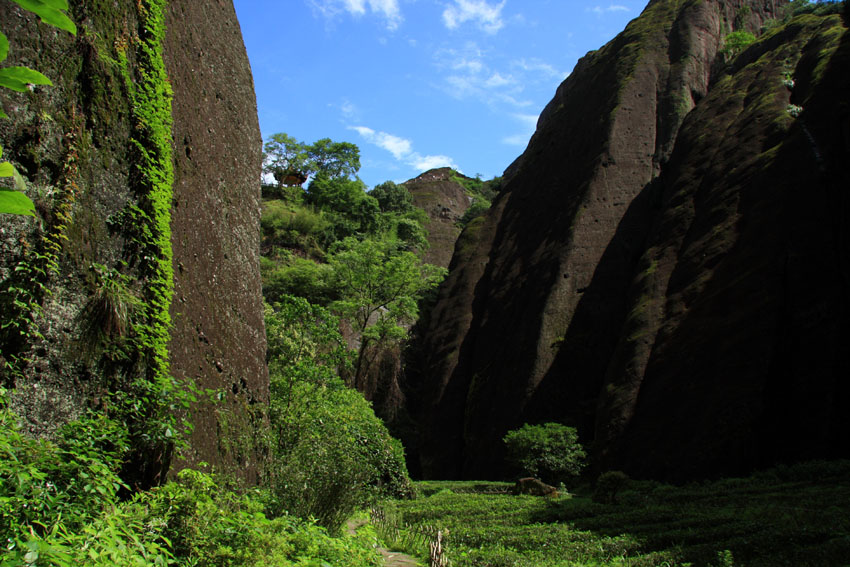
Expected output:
(60, 506)
(292, 162)
(330, 454)
(355, 252)
(550, 452)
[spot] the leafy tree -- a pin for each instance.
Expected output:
(285, 156)
(737, 41)
(335, 194)
(379, 285)
(392, 197)
(335, 159)
(353, 210)
(289, 160)
(550, 452)
(331, 454)
(297, 276)
(412, 234)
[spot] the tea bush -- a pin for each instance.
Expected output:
(550, 452)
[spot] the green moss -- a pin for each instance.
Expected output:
(146, 228)
(151, 94)
(468, 239)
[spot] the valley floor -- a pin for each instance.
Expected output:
(788, 516)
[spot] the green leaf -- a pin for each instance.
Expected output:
(4, 46)
(56, 4)
(49, 12)
(14, 203)
(17, 78)
(6, 169)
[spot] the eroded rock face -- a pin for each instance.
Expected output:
(86, 122)
(219, 338)
(445, 201)
(730, 357)
(554, 310)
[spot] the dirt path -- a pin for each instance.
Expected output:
(391, 558)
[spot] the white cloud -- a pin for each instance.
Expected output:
(424, 163)
(600, 10)
(539, 68)
(402, 149)
(516, 140)
(389, 9)
(487, 16)
(349, 110)
(466, 74)
(497, 80)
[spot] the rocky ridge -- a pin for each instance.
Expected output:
(634, 277)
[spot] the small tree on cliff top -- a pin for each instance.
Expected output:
(285, 158)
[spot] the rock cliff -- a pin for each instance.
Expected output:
(663, 266)
(444, 200)
(143, 160)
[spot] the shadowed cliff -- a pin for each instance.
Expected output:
(616, 283)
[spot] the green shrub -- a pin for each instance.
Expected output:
(797, 7)
(608, 485)
(479, 207)
(736, 42)
(45, 486)
(331, 454)
(299, 277)
(550, 452)
(296, 227)
(392, 197)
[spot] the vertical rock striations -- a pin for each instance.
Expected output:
(558, 305)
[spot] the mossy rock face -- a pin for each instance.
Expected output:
(125, 183)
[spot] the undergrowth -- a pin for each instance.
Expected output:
(60, 505)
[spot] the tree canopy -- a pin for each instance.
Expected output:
(292, 162)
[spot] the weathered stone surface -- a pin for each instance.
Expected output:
(217, 338)
(551, 308)
(444, 200)
(731, 356)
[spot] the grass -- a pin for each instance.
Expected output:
(788, 516)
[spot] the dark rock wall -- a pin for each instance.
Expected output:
(85, 122)
(731, 356)
(552, 301)
(445, 201)
(219, 338)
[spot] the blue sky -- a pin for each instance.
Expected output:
(418, 84)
